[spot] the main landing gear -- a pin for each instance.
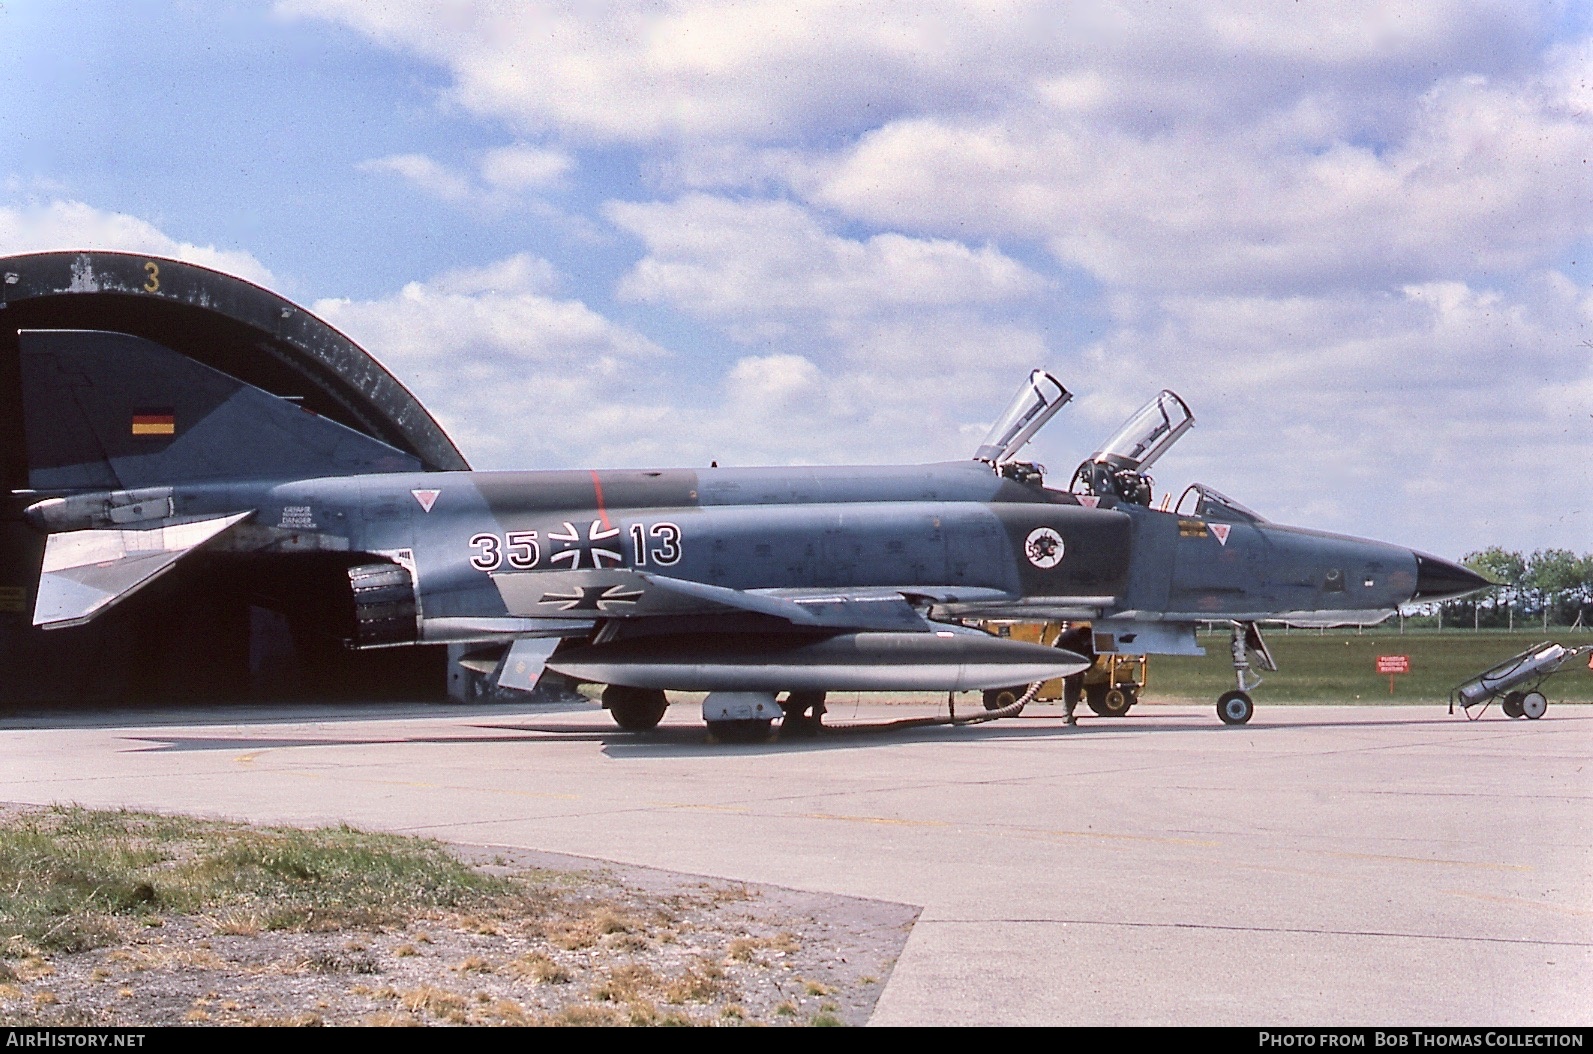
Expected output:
(635, 709)
(732, 717)
(1236, 707)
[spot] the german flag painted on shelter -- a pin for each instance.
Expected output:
(158, 422)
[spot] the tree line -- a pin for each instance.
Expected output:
(1547, 587)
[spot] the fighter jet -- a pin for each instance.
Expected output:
(765, 588)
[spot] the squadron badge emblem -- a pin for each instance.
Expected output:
(1044, 548)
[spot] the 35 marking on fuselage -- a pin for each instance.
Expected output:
(522, 551)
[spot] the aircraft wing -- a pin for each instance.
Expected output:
(86, 572)
(623, 593)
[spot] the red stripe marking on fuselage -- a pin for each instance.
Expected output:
(597, 488)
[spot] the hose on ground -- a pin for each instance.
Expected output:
(1012, 709)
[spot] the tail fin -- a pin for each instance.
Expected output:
(104, 411)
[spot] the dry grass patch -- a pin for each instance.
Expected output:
(297, 924)
(701, 983)
(537, 967)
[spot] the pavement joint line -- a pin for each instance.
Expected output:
(928, 920)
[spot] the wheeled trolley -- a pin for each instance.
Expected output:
(1110, 687)
(1516, 682)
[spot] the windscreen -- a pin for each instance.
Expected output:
(1041, 396)
(1148, 434)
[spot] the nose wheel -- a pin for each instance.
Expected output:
(1235, 707)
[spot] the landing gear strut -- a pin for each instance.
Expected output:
(1236, 707)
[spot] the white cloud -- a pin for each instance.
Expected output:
(67, 225)
(766, 263)
(1333, 227)
(766, 70)
(523, 167)
(518, 378)
(880, 347)
(431, 176)
(1439, 415)
(504, 173)
(1486, 178)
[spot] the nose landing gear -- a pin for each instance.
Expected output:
(1236, 707)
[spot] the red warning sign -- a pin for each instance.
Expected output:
(1387, 664)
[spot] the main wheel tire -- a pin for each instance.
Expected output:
(1533, 705)
(635, 709)
(1000, 698)
(752, 731)
(1115, 703)
(1235, 707)
(1512, 703)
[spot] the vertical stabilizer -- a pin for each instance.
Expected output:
(109, 410)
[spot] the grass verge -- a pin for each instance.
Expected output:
(74, 878)
(1340, 666)
(128, 919)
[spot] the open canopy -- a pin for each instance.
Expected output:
(1041, 396)
(1148, 434)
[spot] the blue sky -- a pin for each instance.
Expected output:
(1356, 237)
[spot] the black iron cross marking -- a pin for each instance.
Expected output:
(592, 598)
(597, 532)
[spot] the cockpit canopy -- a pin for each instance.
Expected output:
(1036, 402)
(1148, 434)
(1117, 470)
(1209, 503)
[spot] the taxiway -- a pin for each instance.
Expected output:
(1321, 865)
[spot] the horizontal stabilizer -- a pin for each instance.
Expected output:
(86, 572)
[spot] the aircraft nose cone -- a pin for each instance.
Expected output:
(1441, 580)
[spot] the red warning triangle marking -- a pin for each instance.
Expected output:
(1089, 501)
(427, 498)
(1221, 531)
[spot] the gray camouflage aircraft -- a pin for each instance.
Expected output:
(765, 588)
